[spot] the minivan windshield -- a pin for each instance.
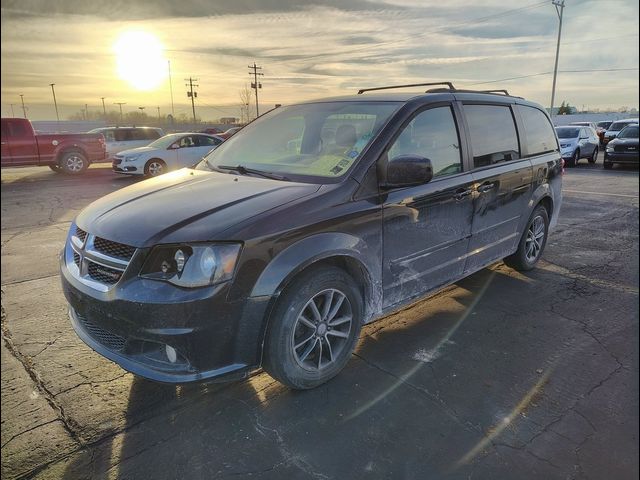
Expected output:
(629, 132)
(568, 132)
(315, 140)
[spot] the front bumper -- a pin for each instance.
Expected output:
(632, 158)
(118, 166)
(134, 320)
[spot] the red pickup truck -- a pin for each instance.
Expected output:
(63, 152)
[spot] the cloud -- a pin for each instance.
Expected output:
(312, 50)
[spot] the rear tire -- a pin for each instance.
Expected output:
(73, 163)
(155, 167)
(532, 242)
(314, 328)
(594, 156)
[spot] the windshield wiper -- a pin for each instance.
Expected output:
(251, 171)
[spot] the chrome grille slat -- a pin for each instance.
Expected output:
(95, 261)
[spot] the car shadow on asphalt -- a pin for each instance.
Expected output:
(390, 387)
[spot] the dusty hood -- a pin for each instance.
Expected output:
(186, 205)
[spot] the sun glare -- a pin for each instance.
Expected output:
(140, 59)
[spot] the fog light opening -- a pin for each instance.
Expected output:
(172, 355)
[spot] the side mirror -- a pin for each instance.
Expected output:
(407, 171)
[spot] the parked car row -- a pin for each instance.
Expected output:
(131, 150)
(581, 140)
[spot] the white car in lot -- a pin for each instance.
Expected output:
(171, 152)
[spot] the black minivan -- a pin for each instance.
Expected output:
(311, 221)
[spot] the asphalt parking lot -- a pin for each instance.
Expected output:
(503, 375)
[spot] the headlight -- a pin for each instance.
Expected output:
(610, 148)
(565, 145)
(131, 158)
(195, 265)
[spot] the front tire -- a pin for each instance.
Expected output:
(532, 242)
(314, 328)
(155, 167)
(573, 161)
(73, 163)
(594, 155)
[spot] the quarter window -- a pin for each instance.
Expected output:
(431, 134)
(493, 134)
(539, 132)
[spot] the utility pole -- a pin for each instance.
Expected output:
(55, 104)
(255, 84)
(173, 113)
(192, 94)
(120, 105)
(13, 115)
(559, 4)
(104, 109)
(24, 109)
(158, 113)
(86, 111)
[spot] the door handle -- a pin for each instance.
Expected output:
(485, 187)
(462, 193)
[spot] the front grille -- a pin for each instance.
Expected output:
(103, 274)
(113, 249)
(109, 340)
(81, 234)
(626, 148)
(76, 259)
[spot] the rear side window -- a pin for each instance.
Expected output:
(539, 133)
(151, 134)
(493, 134)
(139, 134)
(121, 134)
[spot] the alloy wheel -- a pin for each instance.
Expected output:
(322, 330)
(535, 239)
(74, 163)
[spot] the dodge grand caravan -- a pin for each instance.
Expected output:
(313, 220)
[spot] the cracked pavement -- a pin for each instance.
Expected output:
(502, 375)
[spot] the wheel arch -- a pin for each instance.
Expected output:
(340, 250)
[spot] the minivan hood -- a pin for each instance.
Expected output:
(185, 206)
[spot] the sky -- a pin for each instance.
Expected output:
(92, 49)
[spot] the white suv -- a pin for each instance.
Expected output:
(124, 138)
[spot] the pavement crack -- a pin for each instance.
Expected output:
(13, 437)
(68, 423)
(451, 413)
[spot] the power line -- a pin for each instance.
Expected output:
(591, 70)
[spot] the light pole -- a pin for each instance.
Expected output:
(13, 115)
(104, 109)
(559, 5)
(24, 109)
(55, 104)
(120, 105)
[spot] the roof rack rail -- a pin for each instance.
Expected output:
(449, 84)
(500, 90)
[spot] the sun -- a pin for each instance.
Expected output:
(140, 59)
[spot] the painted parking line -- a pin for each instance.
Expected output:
(599, 193)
